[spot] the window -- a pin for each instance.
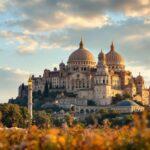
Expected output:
(78, 75)
(103, 81)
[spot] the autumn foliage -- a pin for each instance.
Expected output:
(131, 137)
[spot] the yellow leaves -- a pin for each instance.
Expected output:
(33, 128)
(135, 136)
(61, 141)
(53, 131)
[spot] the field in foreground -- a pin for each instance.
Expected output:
(135, 137)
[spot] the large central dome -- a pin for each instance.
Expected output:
(81, 55)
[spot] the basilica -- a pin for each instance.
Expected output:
(93, 80)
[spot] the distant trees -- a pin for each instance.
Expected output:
(20, 101)
(13, 115)
(91, 103)
(0, 116)
(46, 90)
(91, 119)
(42, 119)
(110, 117)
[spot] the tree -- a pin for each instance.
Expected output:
(117, 98)
(25, 116)
(91, 119)
(91, 103)
(58, 122)
(20, 101)
(127, 96)
(46, 90)
(0, 116)
(13, 115)
(42, 119)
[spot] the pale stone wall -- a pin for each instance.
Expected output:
(115, 82)
(55, 82)
(85, 94)
(38, 84)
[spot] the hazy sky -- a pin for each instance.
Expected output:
(38, 34)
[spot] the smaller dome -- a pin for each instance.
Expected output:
(62, 64)
(114, 58)
(101, 56)
(127, 103)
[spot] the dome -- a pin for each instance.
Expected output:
(114, 58)
(81, 54)
(101, 56)
(61, 64)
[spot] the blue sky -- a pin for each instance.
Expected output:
(38, 34)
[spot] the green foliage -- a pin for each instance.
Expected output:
(111, 116)
(121, 121)
(91, 119)
(13, 115)
(70, 94)
(127, 96)
(42, 119)
(46, 90)
(0, 116)
(58, 122)
(19, 101)
(116, 99)
(91, 103)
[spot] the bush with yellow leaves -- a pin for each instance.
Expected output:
(132, 137)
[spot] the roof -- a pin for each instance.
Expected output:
(127, 103)
(81, 54)
(114, 58)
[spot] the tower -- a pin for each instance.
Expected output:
(140, 84)
(30, 97)
(102, 87)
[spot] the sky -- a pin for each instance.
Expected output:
(39, 34)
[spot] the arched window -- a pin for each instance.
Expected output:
(103, 81)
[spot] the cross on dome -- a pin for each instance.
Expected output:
(112, 46)
(81, 45)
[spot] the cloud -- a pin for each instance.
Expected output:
(48, 15)
(25, 43)
(2, 6)
(10, 80)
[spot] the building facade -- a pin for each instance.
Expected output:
(94, 81)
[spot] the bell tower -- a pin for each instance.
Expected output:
(102, 87)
